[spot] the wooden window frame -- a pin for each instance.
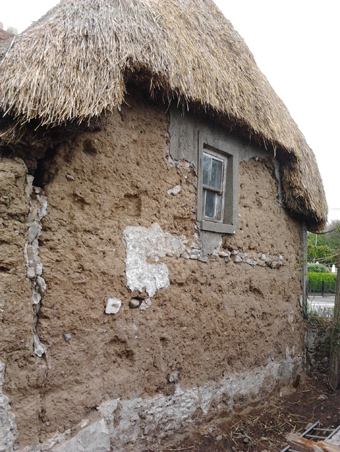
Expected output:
(229, 222)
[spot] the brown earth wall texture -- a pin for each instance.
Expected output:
(215, 318)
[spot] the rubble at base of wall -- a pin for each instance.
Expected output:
(127, 424)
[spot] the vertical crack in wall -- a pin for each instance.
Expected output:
(279, 195)
(38, 209)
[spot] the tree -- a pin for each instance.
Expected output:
(324, 247)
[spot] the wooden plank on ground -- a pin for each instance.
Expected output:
(305, 445)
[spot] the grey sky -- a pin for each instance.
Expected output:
(296, 45)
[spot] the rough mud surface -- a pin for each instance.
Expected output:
(214, 319)
(265, 428)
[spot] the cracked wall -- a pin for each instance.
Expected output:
(38, 209)
(220, 307)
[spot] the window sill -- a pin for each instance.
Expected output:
(218, 227)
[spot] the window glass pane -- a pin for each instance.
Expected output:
(210, 200)
(216, 174)
(206, 169)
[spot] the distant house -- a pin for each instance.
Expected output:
(153, 188)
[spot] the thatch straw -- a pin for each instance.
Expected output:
(73, 64)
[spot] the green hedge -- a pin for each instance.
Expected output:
(315, 281)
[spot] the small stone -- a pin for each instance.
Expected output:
(234, 252)
(16, 232)
(185, 255)
(203, 259)
(30, 273)
(41, 284)
(227, 259)
(219, 438)
(29, 186)
(39, 350)
(194, 257)
(43, 207)
(134, 303)
(245, 440)
(176, 244)
(195, 252)
(238, 259)
(224, 254)
(67, 337)
(69, 177)
(113, 306)
(33, 232)
(175, 190)
(39, 269)
(251, 262)
(173, 377)
(263, 257)
(36, 297)
(30, 253)
(145, 304)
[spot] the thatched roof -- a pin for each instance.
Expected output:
(73, 64)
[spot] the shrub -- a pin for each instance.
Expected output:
(317, 268)
(315, 281)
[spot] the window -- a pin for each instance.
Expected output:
(214, 170)
(217, 200)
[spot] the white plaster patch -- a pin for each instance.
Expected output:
(113, 306)
(141, 244)
(8, 428)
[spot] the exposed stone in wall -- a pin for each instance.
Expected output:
(24, 371)
(128, 424)
(8, 428)
(38, 209)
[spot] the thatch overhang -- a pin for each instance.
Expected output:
(73, 65)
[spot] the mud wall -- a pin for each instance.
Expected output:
(204, 325)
